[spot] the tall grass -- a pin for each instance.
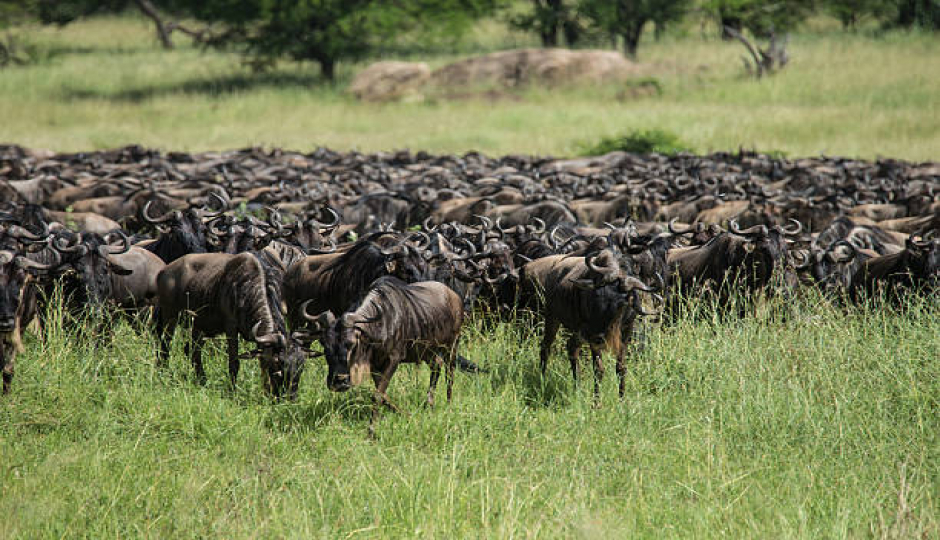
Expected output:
(105, 83)
(800, 420)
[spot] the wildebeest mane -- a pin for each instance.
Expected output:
(352, 273)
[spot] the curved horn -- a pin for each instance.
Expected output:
(75, 248)
(755, 230)
(630, 283)
(853, 251)
(470, 253)
(207, 212)
(795, 231)
(29, 264)
(589, 261)
(111, 250)
(672, 227)
(174, 215)
(331, 224)
(806, 259)
(538, 230)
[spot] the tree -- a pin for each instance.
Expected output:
(923, 13)
(760, 17)
(550, 19)
(850, 12)
(626, 18)
(325, 31)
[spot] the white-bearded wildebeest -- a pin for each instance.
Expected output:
(592, 297)
(395, 322)
(235, 295)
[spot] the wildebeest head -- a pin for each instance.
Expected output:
(404, 260)
(766, 252)
(282, 362)
(924, 259)
(183, 232)
(87, 266)
(15, 270)
(829, 267)
(340, 339)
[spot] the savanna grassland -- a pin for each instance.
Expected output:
(803, 420)
(106, 83)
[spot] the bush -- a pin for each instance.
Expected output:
(640, 141)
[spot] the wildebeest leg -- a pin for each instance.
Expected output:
(574, 353)
(551, 328)
(195, 346)
(6, 364)
(449, 365)
(380, 397)
(626, 340)
(165, 331)
(598, 374)
(233, 363)
(435, 365)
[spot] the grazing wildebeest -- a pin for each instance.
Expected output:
(395, 322)
(592, 297)
(235, 295)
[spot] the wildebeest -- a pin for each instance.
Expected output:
(395, 322)
(333, 282)
(916, 266)
(749, 257)
(235, 295)
(17, 304)
(832, 268)
(592, 297)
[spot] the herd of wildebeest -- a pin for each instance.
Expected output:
(379, 257)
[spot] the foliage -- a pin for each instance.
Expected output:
(760, 17)
(627, 18)
(550, 19)
(851, 12)
(639, 141)
(326, 31)
(923, 13)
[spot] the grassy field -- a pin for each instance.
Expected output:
(105, 83)
(800, 422)
(803, 421)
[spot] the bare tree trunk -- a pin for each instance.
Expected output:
(162, 31)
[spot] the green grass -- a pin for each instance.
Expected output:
(104, 83)
(803, 422)
(820, 424)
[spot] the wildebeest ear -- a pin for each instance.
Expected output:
(749, 247)
(326, 320)
(118, 269)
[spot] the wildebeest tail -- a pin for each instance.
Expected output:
(467, 366)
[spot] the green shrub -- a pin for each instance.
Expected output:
(641, 141)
